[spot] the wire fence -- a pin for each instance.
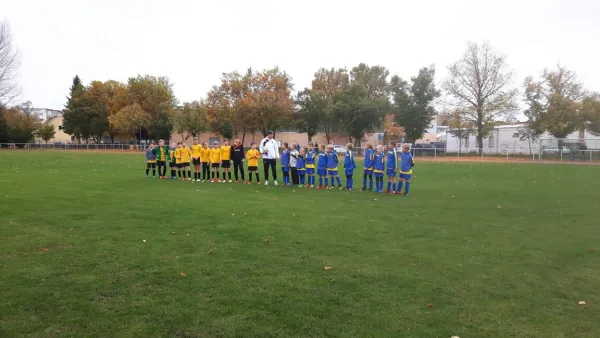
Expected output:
(545, 154)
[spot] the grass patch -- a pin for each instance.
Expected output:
(499, 250)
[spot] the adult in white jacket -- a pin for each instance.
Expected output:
(270, 155)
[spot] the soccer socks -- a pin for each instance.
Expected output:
(400, 186)
(189, 174)
(339, 182)
(147, 171)
(320, 181)
(229, 175)
(172, 173)
(153, 172)
(218, 177)
(406, 187)
(389, 186)
(371, 182)
(365, 182)
(394, 186)
(179, 173)
(257, 178)
(326, 182)
(302, 180)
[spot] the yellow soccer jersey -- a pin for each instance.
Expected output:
(162, 156)
(252, 155)
(178, 155)
(196, 149)
(205, 154)
(215, 155)
(185, 154)
(225, 153)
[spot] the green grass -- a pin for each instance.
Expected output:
(500, 250)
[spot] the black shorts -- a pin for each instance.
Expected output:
(161, 163)
(215, 165)
(226, 164)
(252, 168)
(205, 164)
(184, 164)
(196, 161)
(173, 165)
(151, 165)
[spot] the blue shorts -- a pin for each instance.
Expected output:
(332, 172)
(285, 169)
(301, 172)
(368, 171)
(310, 171)
(391, 172)
(349, 172)
(379, 175)
(322, 172)
(406, 176)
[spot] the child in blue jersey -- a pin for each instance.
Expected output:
(368, 167)
(322, 167)
(391, 167)
(406, 165)
(310, 161)
(301, 167)
(332, 167)
(285, 164)
(349, 166)
(378, 168)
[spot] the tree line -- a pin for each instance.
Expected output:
(477, 95)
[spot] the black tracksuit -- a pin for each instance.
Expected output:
(237, 156)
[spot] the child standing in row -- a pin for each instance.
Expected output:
(173, 160)
(162, 157)
(196, 148)
(349, 166)
(186, 155)
(205, 159)
(293, 164)
(406, 164)
(150, 160)
(226, 160)
(378, 168)
(332, 167)
(310, 165)
(301, 168)
(253, 155)
(215, 160)
(391, 163)
(285, 164)
(237, 156)
(368, 167)
(322, 167)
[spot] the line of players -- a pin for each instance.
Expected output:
(299, 166)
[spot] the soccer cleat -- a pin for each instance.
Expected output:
(230, 181)
(266, 182)
(203, 181)
(319, 187)
(398, 192)
(212, 181)
(385, 191)
(312, 186)
(243, 181)
(300, 186)
(146, 176)
(256, 182)
(392, 193)
(153, 177)
(236, 181)
(340, 188)
(406, 195)
(189, 179)
(275, 183)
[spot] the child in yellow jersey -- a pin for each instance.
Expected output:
(205, 159)
(196, 148)
(252, 155)
(186, 155)
(173, 163)
(215, 160)
(162, 157)
(226, 159)
(178, 159)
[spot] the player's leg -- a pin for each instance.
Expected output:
(147, 169)
(407, 184)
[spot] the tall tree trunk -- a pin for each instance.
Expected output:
(530, 151)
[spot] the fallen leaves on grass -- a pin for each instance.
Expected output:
(182, 274)
(430, 305)
(275, 198)
(267, 240)
(46, 249)
(209, 252)
(327, 268)
(581, 302)
(592, 250)
(143, 240)
(455, 337)
(173, 232)
(70, 229)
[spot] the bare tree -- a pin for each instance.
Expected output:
(478, 86)
(9, 66)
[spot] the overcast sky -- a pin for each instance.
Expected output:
(193, 42)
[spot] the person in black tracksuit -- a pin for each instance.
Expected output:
(237, 156)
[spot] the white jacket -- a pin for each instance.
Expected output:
(269, 149)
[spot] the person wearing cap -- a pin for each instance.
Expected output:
(270, 154)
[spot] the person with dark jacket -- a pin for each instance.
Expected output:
(237, 156)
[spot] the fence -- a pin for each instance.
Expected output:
(546, 150)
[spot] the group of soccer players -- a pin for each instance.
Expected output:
(299, 166)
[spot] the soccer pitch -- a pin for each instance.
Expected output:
(90, 248)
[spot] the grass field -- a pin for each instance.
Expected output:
(497, 250)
